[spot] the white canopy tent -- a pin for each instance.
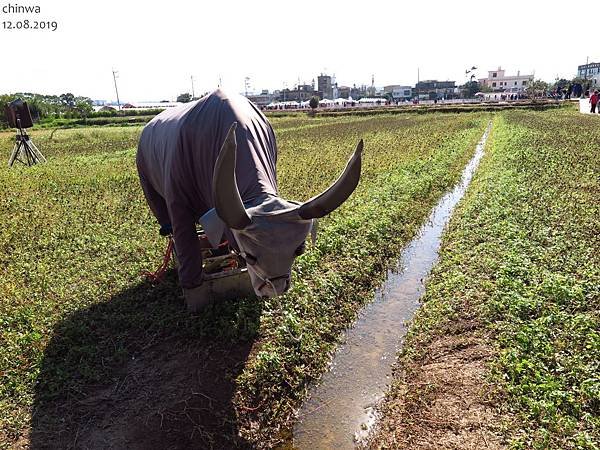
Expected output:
(283, 105)
(373, 100)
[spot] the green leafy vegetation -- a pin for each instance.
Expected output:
(520, 265)
(77, 234)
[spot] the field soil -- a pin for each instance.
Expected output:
(171, 396)
(443, 399)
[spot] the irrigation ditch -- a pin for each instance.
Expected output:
(342, 409)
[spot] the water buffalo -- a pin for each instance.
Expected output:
(213, 161)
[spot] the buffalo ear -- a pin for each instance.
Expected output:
(338, 192)
(213, 227)
(228, 203)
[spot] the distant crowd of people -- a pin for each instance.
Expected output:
(571, 90)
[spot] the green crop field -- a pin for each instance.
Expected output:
(517, 287)
(91, 355)
(88, 347)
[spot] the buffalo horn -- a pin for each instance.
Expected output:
(338, 192)
(228, 203)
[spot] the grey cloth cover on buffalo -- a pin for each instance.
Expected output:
(176, 158)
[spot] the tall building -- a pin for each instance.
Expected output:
(324, 86)
(591, 73)
(497, 80)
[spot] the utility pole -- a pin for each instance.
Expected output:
(193, 93)
(418, 81)
(115, 73)
(246, 85)
(372, 85)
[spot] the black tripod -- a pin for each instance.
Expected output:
(25, 150)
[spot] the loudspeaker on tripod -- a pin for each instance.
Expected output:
(19, 117)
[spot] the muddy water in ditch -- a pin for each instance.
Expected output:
(340, 411)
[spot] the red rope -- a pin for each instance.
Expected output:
(158, 274)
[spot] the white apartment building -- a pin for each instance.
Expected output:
(499, 81)
(587, 71)
(591, 73)
(398, 92)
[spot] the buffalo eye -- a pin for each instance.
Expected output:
(300, 249)
(250, 259)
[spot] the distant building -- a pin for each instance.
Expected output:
(398, 92)
(497, 80)
(591, 73)
(344, 91)
(594, 82)
(358, 92)
(300, 93)
(587, 71)
(262, 99)
(434, 89)
(324, 86)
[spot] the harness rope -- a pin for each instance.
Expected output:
(158, 275)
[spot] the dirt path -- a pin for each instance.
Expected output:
(442, 400)
(177, 395)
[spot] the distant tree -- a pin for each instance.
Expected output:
(537, 89)
(314, 104)
(559, 85)
(38, 107)
(42, 106)
(83, 106)
(4, 99)
(184, 98)
(470, 88)
(67, 100)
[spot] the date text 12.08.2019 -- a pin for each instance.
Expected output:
(24, 17)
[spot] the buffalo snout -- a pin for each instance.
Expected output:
(273, 287)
